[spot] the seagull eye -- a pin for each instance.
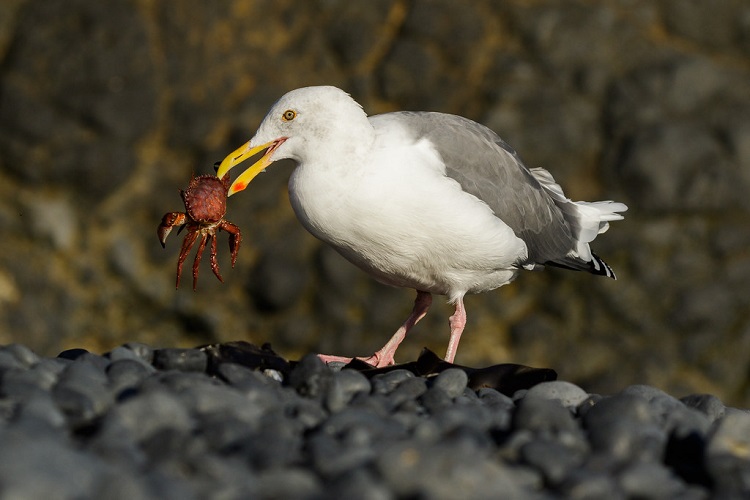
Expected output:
(289, 115)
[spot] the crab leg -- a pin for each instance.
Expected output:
(214, 260)
(187, 244)
(198, 257)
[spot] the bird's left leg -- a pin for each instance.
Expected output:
(457, 323)
(384, 356)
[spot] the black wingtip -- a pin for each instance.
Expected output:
(601, 268)
(595, 266)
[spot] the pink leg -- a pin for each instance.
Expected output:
(384, 356)
(457, 323)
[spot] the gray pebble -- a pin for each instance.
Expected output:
(728, 454)
(706, 403)
(37, 467)
(569, 395)
(360, 484)
(649, 480)
(585, 484)
(346, 383)
(25, 356)
(311, 378)
(40, 408)
(9, 362)
(148, 412)
(445, 470)
(543, 416)
(453, 381)
(626, 428)
(384, 383)
(435, 399)
(409, 390)
(127, 373)
(142, 351)
(288, 482)
(553, 459)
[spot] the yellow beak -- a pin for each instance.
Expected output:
(241, 154)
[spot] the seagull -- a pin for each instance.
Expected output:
(424, 200)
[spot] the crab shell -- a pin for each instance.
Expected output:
(206, 198)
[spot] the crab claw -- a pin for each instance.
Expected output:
(169, 221)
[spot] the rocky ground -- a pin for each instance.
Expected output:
(107, 108)
(235, 421)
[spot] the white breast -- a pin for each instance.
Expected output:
(399, 218)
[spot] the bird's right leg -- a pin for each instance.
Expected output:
(384, 357)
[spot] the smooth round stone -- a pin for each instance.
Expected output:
(553, 459)
(128, 373)
(453, 381)
(332, 457)
(311, 378)
(583, 484)
(346, 383)
(288, 482)
(122, 352)
(684, 421)
(710, 405)
(148, 412)
(42, 408)
(408, 390)
(22, 354)
(224, 432)
(142, 351)
(235, 374)
(82, 404)
(626, 428)
(728, 453)
(208, 398)
(384, 383)
(9, 362)
(443, 470)
(569, 395)
(251, 382)
(587, 404)
(661, 403)
(435, 400)
(35, 466)
(543, 416)
(650, 480)
(360, 484)
(494, 398)
(85, 371)
(18, 384)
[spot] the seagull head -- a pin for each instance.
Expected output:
(303, 124)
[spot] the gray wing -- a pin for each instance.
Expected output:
(488, 168)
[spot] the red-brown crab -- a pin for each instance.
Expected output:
(205, 205)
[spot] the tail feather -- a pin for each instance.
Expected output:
(586, 220)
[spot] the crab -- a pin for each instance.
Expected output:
(205, 202)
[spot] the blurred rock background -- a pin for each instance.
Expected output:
(107, 108)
